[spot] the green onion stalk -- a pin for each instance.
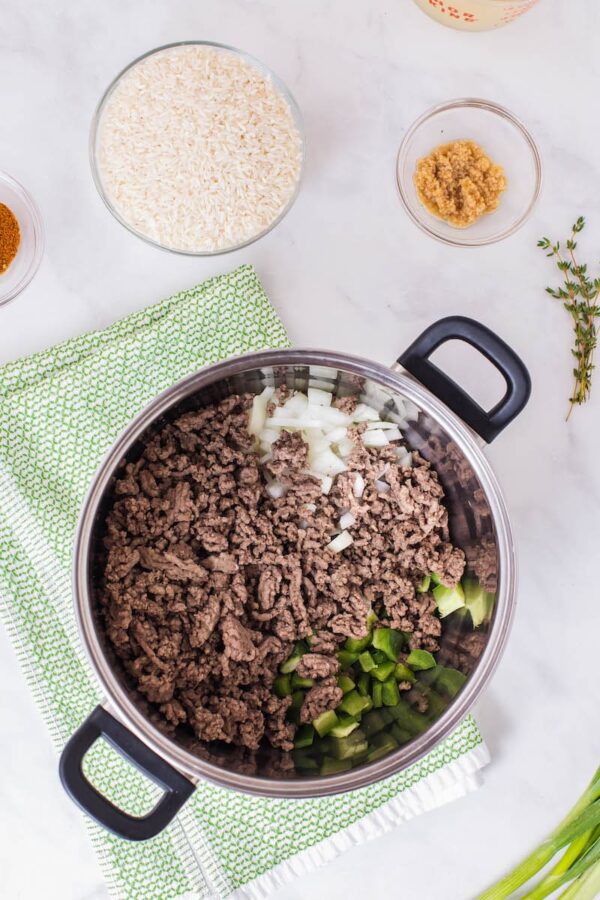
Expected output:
(579, 866)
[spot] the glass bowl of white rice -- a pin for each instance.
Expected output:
(197, 148)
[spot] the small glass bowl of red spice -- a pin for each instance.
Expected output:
(21, 238)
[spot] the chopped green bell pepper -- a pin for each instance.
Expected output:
(437, 704)
(408, 718)
(333, 766)
(345, 683)
(381, 744)
(449, 682)
(383, 671)
(303, 761)
(346, 658)
(420, 659)
(282, 686)
(373, 722)
(366, 661)
(297, 699)
(390, 693)
(400, 734)
(377, 695)
(403, 673)
(357, 645)
(363, 684)
(429, 676)
(304, 737)
(290, 664)
(324, 723)
(299, 682)
(293, 715)
(347, 724)
(346, 748)
(480, 603)
(448, 600)
(389, 640)
(354, 703)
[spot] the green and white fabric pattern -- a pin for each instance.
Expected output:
(60, 410)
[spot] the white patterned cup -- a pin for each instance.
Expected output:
(475, 15)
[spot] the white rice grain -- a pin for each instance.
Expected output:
(197, 149)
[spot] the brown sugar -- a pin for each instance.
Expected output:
(459, 183)
(10, 237)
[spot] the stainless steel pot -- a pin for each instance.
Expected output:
(444, 424)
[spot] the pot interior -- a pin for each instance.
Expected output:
(471, 525)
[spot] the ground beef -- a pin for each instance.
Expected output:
(207, 582)
(320, 698)
(317, 665)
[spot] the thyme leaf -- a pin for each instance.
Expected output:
(579, 295)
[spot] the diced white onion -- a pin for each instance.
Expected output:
(295, 405)
(359, 485)
(364, 413)
(397, 415)
(269, 435)
(314, 433)
(319, 397)
(347, 520)
(327, 463)
(317, 441)
(345, 447)
(386, 426)
(397, 420)
(404, 456)
(340, 542)
(275, 490)
(375, 438)
(324, 372)
(311, 507)
(258, 413)
(382, 487)
(326, 484)
(394, 434)
(337, 434)
(328, 415)
(289, 422)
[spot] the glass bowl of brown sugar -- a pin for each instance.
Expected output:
(21, 238)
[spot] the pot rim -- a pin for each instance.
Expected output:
(367, 774)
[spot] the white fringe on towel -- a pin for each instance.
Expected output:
(454, 780)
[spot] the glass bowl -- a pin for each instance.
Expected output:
(506, 141)
(94, 136)
(31, 247)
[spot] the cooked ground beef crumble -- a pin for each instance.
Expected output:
(207, 581)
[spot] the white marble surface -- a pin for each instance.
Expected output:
(346, 270)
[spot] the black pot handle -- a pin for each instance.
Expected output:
(98, 724)
(488, 425)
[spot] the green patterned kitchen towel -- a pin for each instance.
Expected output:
(60, 410)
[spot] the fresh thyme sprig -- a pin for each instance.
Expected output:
(579, 296)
